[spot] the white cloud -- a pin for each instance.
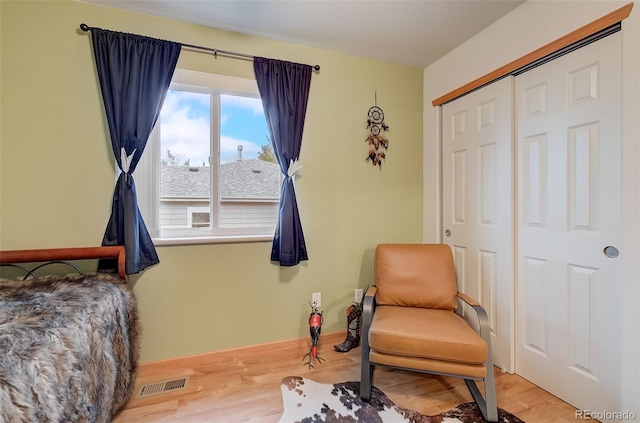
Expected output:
(186, 129)
(253, 104)
(186, 136)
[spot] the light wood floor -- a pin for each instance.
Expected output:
(243, 385)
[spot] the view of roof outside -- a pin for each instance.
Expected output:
(242, 179)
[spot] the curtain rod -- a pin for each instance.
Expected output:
(215, 51)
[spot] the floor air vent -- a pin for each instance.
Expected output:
(162, 387)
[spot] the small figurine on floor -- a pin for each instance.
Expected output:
(315, 326)
(354, 318)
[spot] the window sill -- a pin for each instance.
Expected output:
(227, 239)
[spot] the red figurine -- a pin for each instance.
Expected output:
(315, 326)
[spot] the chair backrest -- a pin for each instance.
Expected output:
(415, 275)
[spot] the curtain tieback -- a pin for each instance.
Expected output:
(125, 161)
(294, 166)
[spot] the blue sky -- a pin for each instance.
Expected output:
(185, 126)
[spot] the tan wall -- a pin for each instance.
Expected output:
(57, 177)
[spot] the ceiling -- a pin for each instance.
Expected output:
(415, 33)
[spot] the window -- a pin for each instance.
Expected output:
(208, 172)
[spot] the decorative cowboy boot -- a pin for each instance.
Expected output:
(354, 312)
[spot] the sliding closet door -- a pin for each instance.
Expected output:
(478, 204)
(570, 288)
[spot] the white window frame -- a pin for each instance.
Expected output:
(147, 173)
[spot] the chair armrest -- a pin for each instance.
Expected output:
(483, 320)
(467, 299)
(371, 291)
(368, 307)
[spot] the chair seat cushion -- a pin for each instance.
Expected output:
(425, 333)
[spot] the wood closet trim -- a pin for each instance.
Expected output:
(583, 32)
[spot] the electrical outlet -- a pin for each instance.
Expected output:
(357, 295)
(316, 299)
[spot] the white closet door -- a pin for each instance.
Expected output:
(478, 204)
(570, 293)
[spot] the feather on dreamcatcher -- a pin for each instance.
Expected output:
(378, 142)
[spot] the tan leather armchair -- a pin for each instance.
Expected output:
(410, 322)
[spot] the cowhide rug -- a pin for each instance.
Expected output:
(306, 401)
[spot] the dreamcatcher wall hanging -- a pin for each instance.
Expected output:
(378, 142)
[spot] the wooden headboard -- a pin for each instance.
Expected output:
(62, 254)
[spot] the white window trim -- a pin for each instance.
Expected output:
(149, 170)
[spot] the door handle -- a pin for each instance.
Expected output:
(611, 251)
(447, 232)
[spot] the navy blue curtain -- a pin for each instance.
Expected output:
(284, 89)
(134, 74)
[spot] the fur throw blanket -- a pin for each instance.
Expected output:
(68, 348)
